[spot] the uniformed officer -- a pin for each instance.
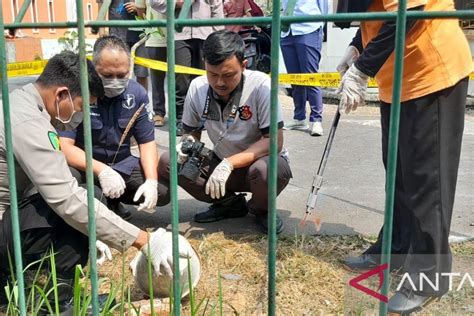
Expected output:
(123, 112)
(52, 206)
(234, 107)
(435, 80)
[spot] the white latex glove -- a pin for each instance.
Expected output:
(111, 183)
(161, 253)
(133, 264)
(183, 157)
(104, 252)
(352, 89)
(350, 57)
(215, 185)
(149, 190)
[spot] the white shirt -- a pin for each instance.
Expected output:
(251, 121)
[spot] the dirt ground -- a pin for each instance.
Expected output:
(310, 277)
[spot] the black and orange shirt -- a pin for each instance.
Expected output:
(437, 54)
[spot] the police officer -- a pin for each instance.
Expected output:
(52, 206)
(234, 107)
(433, 99)
(124, 111)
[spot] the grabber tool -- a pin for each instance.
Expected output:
(318, 178)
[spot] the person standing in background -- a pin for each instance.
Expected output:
(127, 10)
(236, 9)
(301, 45)
(189, 43)
(156, 50)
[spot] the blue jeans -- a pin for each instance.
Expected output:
(302, 54)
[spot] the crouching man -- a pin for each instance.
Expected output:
(233, 105)
(52, 211)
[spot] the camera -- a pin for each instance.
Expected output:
(197, 154)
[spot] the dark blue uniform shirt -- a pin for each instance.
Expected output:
(109, 118)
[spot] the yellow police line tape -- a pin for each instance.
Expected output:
(326, 79)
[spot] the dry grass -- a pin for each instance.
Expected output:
(309, 274)
(310, 278)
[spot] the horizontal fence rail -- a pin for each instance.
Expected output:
(341, 17)
(276, 21)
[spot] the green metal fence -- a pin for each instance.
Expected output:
(172, 24)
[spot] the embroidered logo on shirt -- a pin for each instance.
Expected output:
(129, 102)
(245, 113)
(54, 139)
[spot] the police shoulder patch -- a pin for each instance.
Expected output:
(54, 139)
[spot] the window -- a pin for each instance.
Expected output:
(51, 15)
(89, 12)
(14, 9)
(89, 16)
(34, 14)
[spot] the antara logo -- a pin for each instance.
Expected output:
(424, 281)
(355, 282)
(417, 282)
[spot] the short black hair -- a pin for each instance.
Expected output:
(222, 45)
(63, 69)
(111, 42)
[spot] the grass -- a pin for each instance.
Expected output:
(310, 279)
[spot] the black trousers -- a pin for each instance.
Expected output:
(429, 149)
(132, 183)
(158, 81)
(252, 179)
(188, 53)
(41, 229)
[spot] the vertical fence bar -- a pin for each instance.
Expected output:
(273, 165)
(183, 13)
(170, 29)
(21, 14)
(88, 150)
(104, 8)
(11, 172)
(393, 148)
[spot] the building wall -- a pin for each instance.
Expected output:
(47, 11)
(45, 40)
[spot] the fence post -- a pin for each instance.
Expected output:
(11, 172)
(392, 149)
(273, 165)
(88, 151)
(170, 29)
(23, 9)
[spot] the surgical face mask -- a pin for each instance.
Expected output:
(67, 124)
(114, 86)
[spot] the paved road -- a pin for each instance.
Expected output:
(352, 197)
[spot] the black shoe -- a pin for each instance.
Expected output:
(405, 302)
(179, 129)
(121, 211)
(366, 262)
(231, 207)
(262, 222)
(362, 263)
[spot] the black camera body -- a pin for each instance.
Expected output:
(197, 154)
